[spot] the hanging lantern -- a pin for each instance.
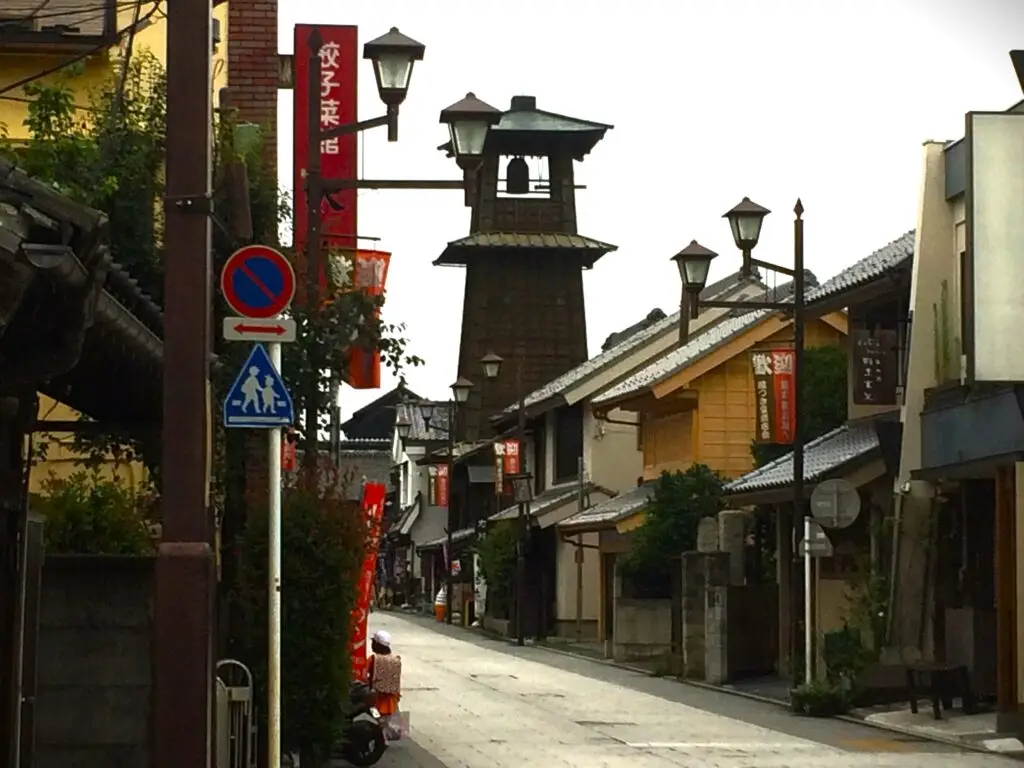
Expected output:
(517, 177)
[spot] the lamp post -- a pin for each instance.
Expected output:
(521, 483)
(460, 394)
(393, 56)
(694, 263)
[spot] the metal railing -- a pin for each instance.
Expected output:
(237, 728)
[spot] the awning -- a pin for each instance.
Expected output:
(608, 513)
(834, 451)
(458, 537)
(555, 504)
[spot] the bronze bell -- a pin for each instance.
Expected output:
(517, 177)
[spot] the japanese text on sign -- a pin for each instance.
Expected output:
(506, 462)
(329, 115)
(874, 367)
(774, 399)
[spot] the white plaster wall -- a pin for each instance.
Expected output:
(611, 455)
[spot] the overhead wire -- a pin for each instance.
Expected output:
(98, 10)
(130, 29)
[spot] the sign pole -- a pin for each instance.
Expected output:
(808, 583)
(274, 588)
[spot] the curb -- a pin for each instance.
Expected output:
(952, 742)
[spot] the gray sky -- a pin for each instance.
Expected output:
(711, 100)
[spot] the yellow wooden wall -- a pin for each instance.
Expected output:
(717, 428)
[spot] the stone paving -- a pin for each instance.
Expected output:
(477, 707)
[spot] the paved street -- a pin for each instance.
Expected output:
(478, 703)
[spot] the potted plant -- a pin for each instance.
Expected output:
(819, 698)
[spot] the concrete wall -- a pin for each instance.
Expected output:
(643, 628)
(565, 599)
(93, 704)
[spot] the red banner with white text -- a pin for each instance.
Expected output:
(339, 59)
(373, 512)
(369, 274)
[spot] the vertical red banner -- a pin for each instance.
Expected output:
(373, 512)
(511, 457)
(441, 486)
(339, 60)
(783, 366)
(369, 274)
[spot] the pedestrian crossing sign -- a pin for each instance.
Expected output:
(258, 399)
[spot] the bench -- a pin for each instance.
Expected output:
(942, 683)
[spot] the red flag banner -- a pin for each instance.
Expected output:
(369, 274)
(373, 512)
(506, 462)
(339, 60)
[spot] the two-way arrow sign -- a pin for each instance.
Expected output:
(252, 329)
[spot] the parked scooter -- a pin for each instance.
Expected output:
(364, 743)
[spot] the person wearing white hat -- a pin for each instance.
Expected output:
(385, 673)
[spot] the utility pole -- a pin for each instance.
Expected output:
(523, 529)
(185, 566)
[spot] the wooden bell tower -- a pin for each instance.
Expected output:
(524, 258)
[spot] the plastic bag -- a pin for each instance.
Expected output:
(396, 726)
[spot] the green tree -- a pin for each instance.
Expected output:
(824, 404)
(680, 501)
(497, 551)
(88, 514)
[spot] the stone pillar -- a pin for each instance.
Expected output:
(732, 534)
(716, 624)
(783, 558)
(693, 615)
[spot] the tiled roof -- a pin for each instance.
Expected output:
(828, 452)
(531, 240)
(674, 361)
(551, 499)
(614, 509)
(624, 347)
(867, 269)
(457, 536)
(617, 337)
(418, 429)
(409, 514)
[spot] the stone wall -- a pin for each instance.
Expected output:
(643, 628)
(95, 672)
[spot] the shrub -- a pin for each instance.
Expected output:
(88, 514)
(322, 546)
(680, 501)
(497, 551)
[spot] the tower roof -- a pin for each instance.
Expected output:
(466, 249)
(526, 130)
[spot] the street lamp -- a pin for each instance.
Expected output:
(461, 389)
(745, 220)
(427, 410)
(403, 426)
(522, 486)
(393, 56)
(492, 365)
(469, 121)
